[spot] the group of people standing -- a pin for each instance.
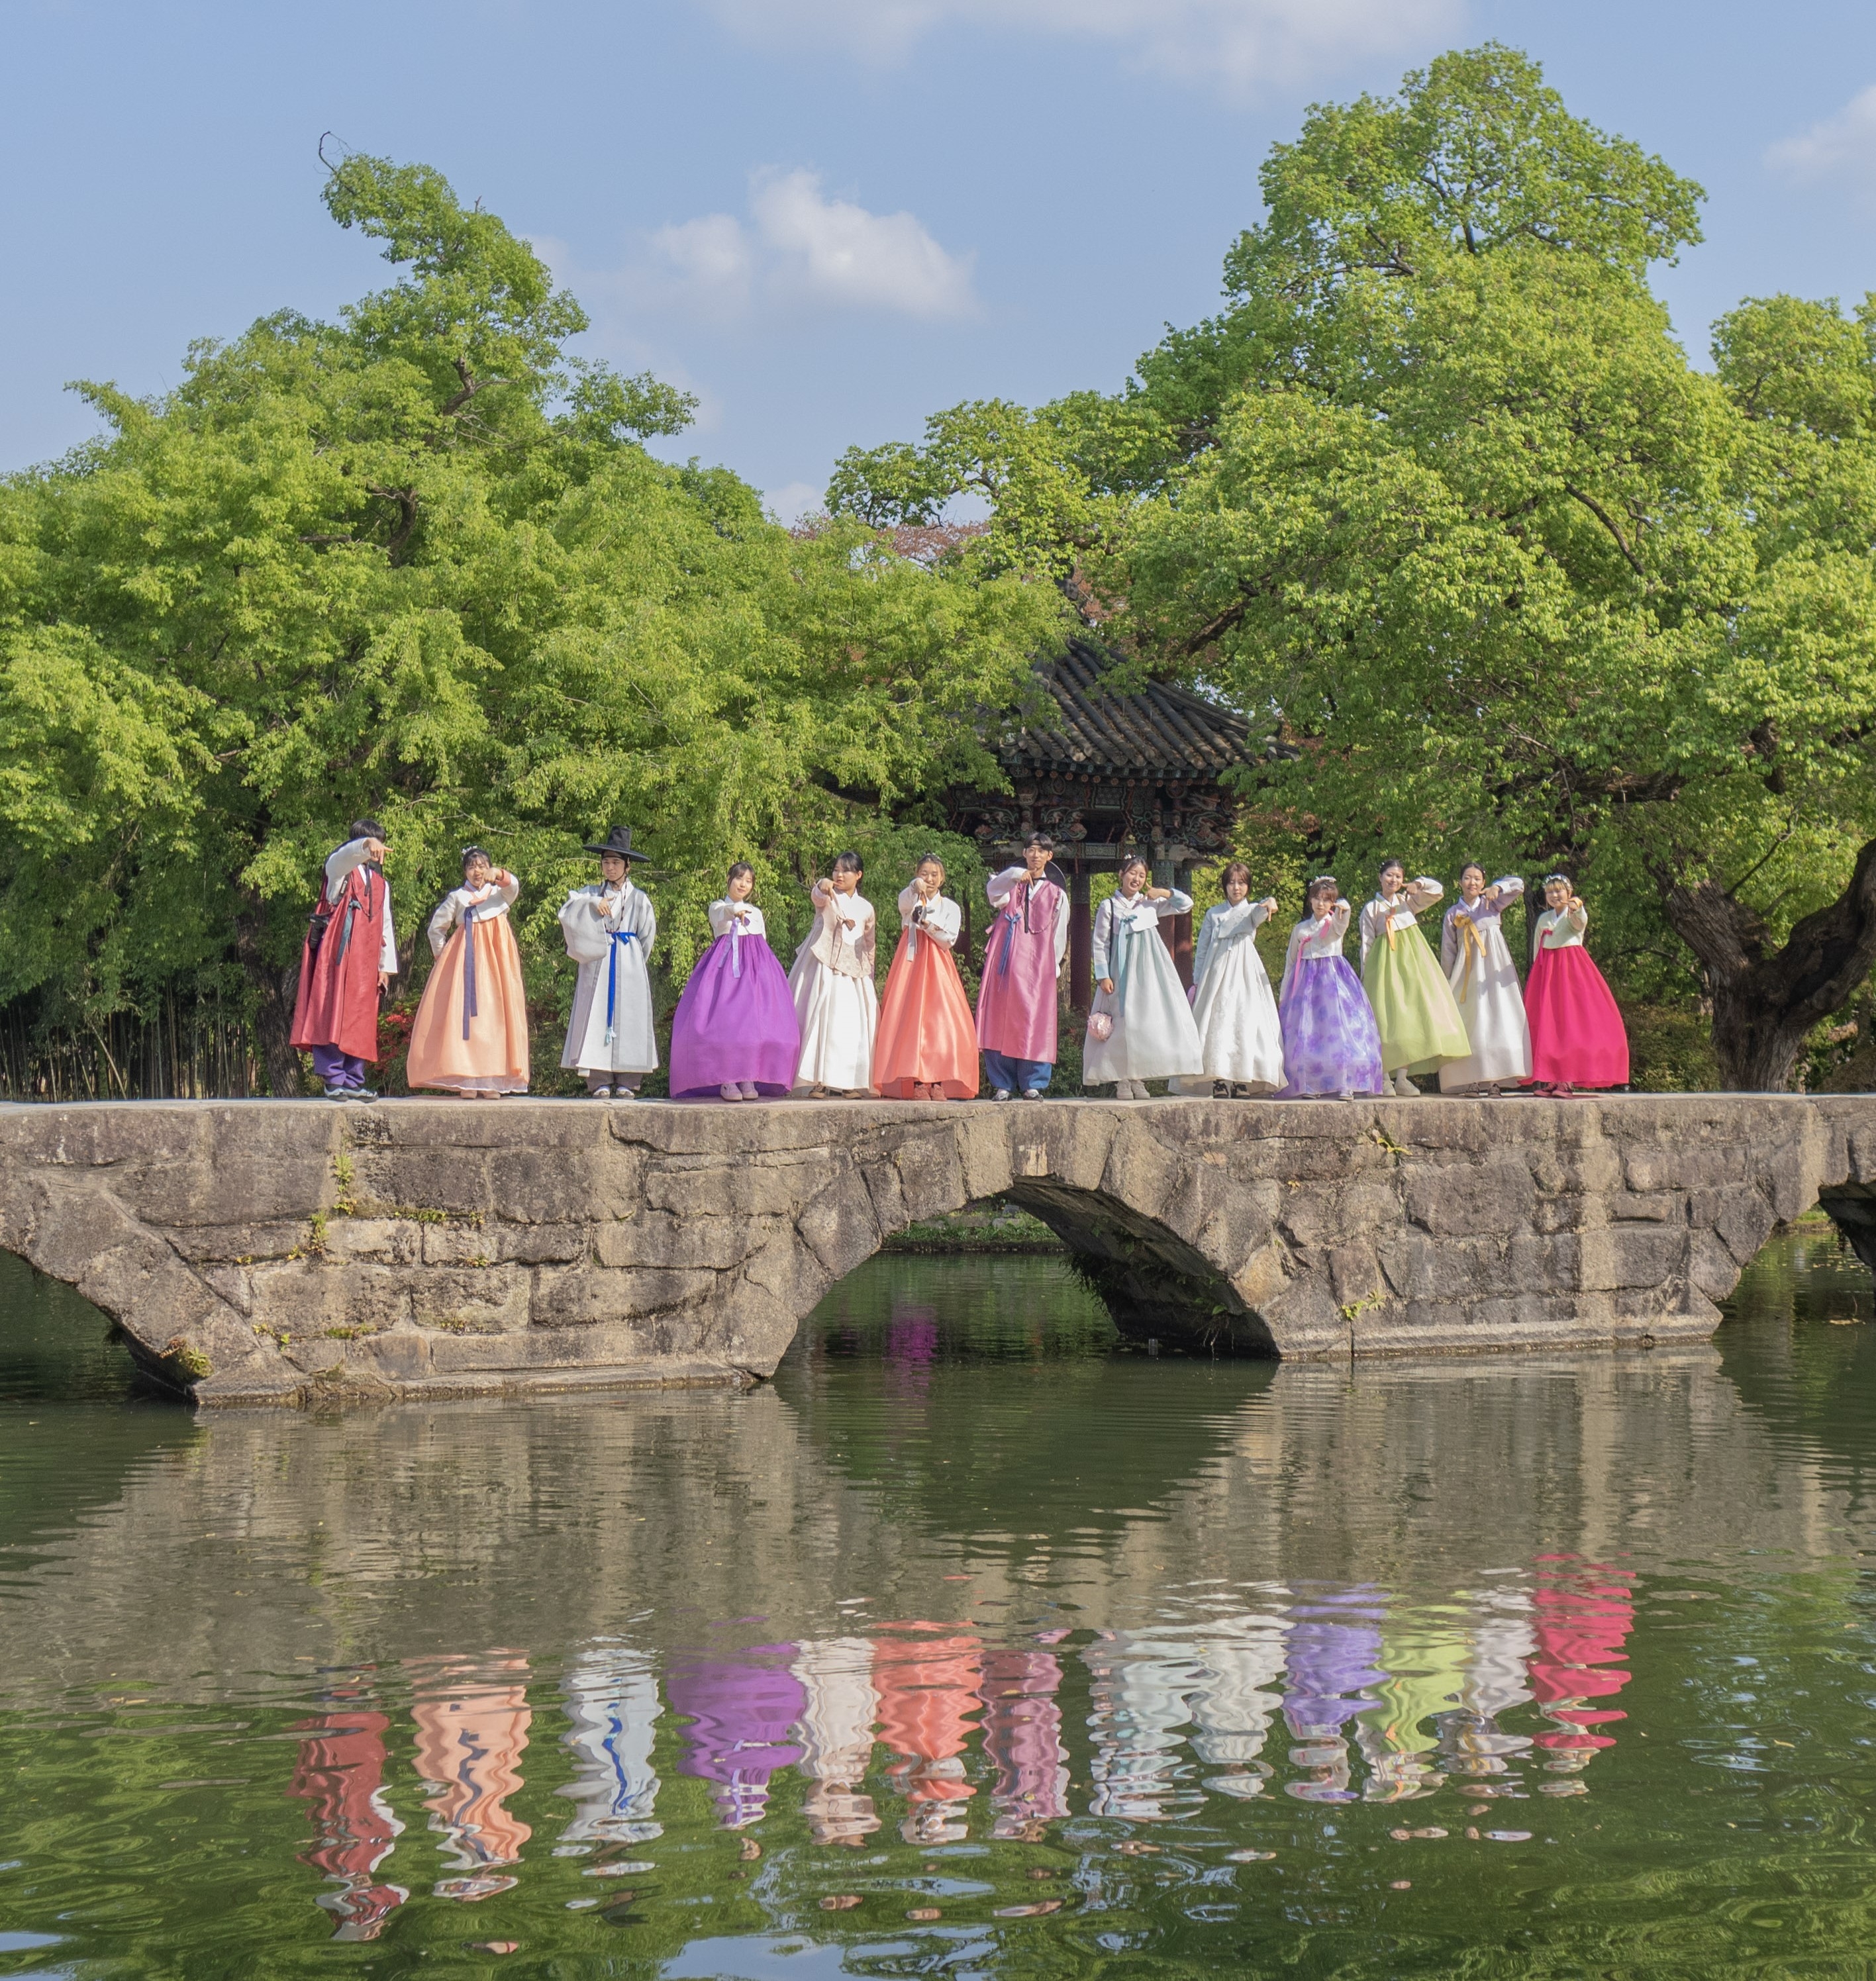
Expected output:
(744, 1030)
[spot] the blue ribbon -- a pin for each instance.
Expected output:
(468, 968)
(1127, 933)
(1009, 927)
(612, 974)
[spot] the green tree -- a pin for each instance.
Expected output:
(418, 562)
(1438, 496)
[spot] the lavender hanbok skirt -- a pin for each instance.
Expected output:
(731, 1027)
(1330, 1044)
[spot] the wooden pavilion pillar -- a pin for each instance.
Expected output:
(1081, 938)
(1182, 925)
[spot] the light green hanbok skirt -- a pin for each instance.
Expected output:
(1414, 1009)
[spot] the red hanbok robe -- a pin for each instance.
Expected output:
(350, 941)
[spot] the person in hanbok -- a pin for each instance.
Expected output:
(926, 1049)
(736, 1034)
(831, 983)
(1331, 1045)
(470, 1036)
(348, 959)
(1016, 998)
(1484, 984)
(1239, 1036)
(1139, 1025)
(610, 927)
(1420, 1025)
(1577, 1038)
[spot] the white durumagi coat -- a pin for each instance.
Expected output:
(613, 949)
(1478, 966)
(1240, 1038)
(1154, 1037)
(835, 1000)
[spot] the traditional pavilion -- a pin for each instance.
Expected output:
(1104, 773)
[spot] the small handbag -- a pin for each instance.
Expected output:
(1101, 1027)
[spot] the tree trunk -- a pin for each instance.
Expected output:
(273, 990)
(1764, 1004)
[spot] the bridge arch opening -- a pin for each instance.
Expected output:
(1159, 1291)
(55, 1346)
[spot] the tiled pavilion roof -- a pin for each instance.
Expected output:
(1160, 732)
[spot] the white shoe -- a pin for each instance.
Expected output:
(1000, 1093)
(599, 1092)
(747, 1089)
(730, 1090)
(1405, 1088)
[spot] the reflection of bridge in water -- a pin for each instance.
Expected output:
(265, 1250)
(710, 1610)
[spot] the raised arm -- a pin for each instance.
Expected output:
(944, 920)
(1000, 886)
(1175, 904)
(908, 901)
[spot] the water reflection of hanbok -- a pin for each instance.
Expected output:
(1495, 1681)
(1424, 1662)
(1240, 1660)
(611, 1697)
(1581, 1617)
(341, 1773)
(1022, 1735)
(742, 1711)
(471, 1730)
(836, 1727)
(1142, 1684)
(1329, 1665)
(928, 1686)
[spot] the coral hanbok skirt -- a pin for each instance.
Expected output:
(927, 1036)
(492, 1058)
(735, 1021)
(1577, 1038)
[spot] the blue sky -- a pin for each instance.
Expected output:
(827, 217)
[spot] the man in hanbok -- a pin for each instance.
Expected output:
(347, 962)
(610, 928)
(1022, 961)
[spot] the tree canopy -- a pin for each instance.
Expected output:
(418, 562)
(1439, 498)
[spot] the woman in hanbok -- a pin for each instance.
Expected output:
(831, 983)
(1239, 1036)
(1139, 1025)
(470, 1035)
(1484, 985)
(609, 929)
(1329, 1044)
(736, 1034)
(1577, 1038)
(1419, 1022)
(926, 1046)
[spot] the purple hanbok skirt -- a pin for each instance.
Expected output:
(1330, 1044)
(734, 1027)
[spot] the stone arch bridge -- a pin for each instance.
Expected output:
(282, 1251)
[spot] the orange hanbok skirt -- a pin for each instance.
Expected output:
(493, 1058)
(927, 1036)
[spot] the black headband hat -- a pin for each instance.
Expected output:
(619, 842)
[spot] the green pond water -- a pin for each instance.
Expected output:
(973, 1646)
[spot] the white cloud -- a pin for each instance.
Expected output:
(802, 247)
(1232, 43)
(1842, 147)
(791, 503)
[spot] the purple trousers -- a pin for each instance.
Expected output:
(337, 1069)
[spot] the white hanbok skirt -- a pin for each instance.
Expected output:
(1493, 1008)
(1154, 1037)
(1240, 1037)
(838, 1017)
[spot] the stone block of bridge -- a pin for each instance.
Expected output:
(287, 1251)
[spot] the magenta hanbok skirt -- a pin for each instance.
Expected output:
(1331, 1043)
(734, 1022)
(1577, 1038)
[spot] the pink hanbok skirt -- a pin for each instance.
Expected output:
(1577, 1038)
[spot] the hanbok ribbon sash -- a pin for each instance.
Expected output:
(1127, 931)
(1473, 945)
(620, 937)
(735, 932)
(1011, 918)
(468, 969)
